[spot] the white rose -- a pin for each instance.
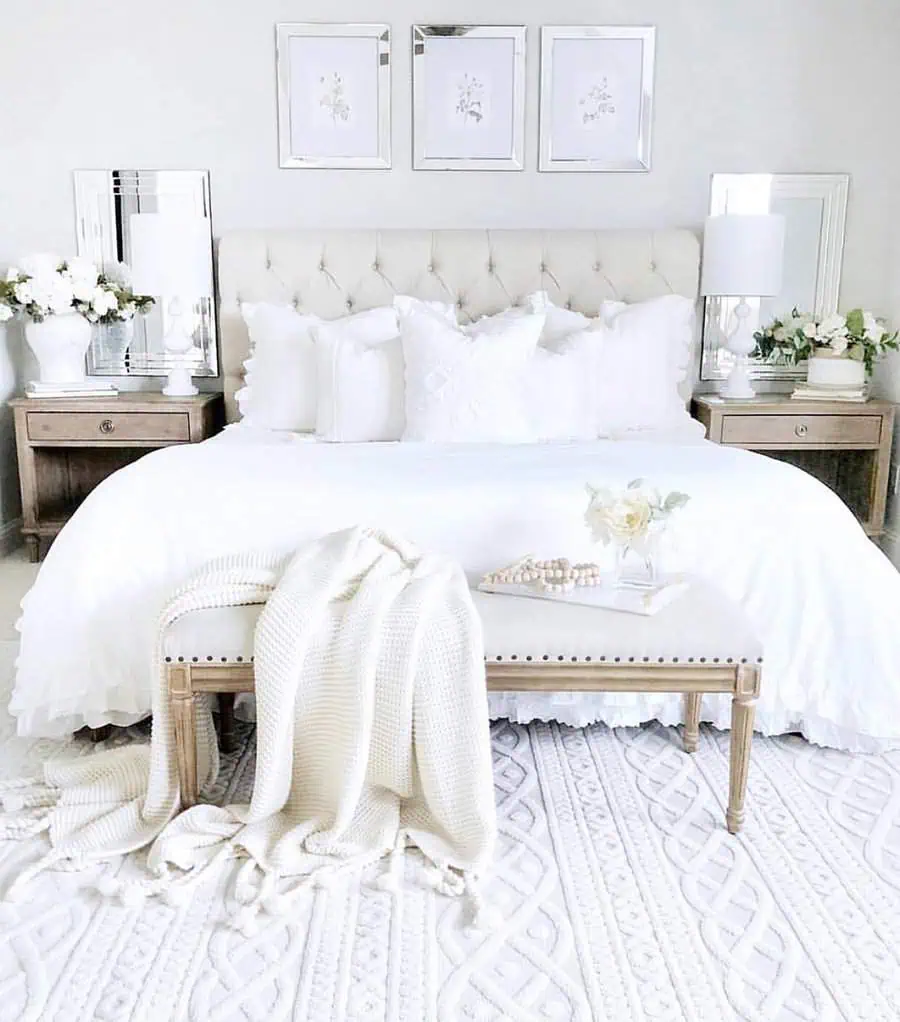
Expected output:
(83, 271)
(780, 334)
(872, 328)
(40, 264)
(834, 326)
(12, 275)
(838, 344)
(82, 290)
(810, 330)
(628, 517)
(60, 297)
(24, 293)
(5, 312)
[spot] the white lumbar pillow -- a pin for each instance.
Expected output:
(280, 382)
(467, 384)
(361, 380)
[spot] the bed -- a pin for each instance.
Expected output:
(819, 594)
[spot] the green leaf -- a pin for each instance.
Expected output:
(635, 484)
(855, 322)
(674, 501)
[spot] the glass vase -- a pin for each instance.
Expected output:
(636, 564)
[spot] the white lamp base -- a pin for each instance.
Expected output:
(179, 383)
(740, 343)
(179, 344)
(737, 386)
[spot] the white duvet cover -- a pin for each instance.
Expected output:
(822, 597)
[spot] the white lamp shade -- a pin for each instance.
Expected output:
(743, 255)
(171, 255)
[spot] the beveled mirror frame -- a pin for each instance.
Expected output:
(104, 200)
(827, 196)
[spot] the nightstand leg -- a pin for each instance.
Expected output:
(34, 548)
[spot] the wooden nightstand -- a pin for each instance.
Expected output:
(66, 446)
(846, 445)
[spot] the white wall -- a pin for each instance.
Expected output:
(742, 85)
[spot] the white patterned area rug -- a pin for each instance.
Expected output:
(622, 898)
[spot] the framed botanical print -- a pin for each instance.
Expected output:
(334, 95)
(596, 98)
(468, 97)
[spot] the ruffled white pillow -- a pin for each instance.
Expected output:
(280, 382)
(467, 384)
(360, 392)
(646, 354)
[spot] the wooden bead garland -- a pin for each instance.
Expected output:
(554, 576)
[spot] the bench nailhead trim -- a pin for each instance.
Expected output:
(168, 660)
(181, 660)
(528, 658)
(545, 657)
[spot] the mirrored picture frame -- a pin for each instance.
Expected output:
(596, 101)
(106, 202)
(468, 97)
(334, 96)
(815, 210)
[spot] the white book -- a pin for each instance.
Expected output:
(632, 599)
(818, 395)
(63, 392)
(73, 386)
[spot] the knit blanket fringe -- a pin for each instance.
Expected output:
(372, 737)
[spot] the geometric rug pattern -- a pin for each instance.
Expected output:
(621, 896)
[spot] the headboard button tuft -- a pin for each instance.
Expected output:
(598, 267)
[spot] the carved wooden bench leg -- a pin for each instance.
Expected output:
(227, 733)
(692, 720)
(743, 710)
(181, 695)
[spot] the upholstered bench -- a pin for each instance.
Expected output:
(700, 643)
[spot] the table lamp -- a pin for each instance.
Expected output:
(171, 259)
(743, 257)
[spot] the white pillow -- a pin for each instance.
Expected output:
(645, 354)
(560, 322)
(360, 380)
(467, 384)
(279, 389)
(560, 389)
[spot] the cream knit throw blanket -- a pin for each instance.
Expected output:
(372, 733)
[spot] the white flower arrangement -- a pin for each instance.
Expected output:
(627, 517)
(859, 335)
(45, 285)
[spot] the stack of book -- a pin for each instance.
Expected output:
(804, 392)
(81, 388)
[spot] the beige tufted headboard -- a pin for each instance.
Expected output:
(331, 273)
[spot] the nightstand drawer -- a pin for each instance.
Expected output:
(165, 427)
(797, 430)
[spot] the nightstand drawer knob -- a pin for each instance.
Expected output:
(107, 426)
(801, 429)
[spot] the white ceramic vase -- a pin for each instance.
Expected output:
(59, 344)
(835, 372)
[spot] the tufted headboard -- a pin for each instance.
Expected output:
(332, 273)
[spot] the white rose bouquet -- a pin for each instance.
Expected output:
(628, 517)
(45, 285)
(797, 337)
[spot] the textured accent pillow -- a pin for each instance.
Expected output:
(467, 384)
(280, 381)
(360, 380)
